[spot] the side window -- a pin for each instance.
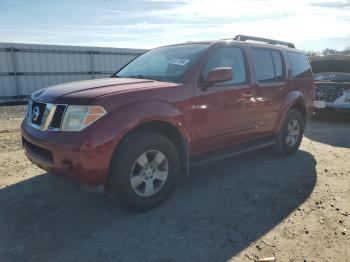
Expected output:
(263, 65)
(277, 62)
(227, 57)
(300, 65)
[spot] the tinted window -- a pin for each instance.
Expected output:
(277, 61)
(263, 65)
(300, 65)
(227, 57)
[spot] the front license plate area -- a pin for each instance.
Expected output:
(319, 104)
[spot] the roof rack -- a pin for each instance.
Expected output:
(265, 40)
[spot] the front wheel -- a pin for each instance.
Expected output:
(144, 170)
(291, 133)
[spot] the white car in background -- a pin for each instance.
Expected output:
(332, 81)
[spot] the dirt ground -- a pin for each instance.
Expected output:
(244, 208)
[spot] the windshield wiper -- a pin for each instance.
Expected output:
(154, 78)
(141, 77)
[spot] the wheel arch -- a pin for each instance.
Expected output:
(170, 131)
(301, 108)
(294, 100)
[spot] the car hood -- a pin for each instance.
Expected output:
(83, 92)
(323, 65)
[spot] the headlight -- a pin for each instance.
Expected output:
(77, 118)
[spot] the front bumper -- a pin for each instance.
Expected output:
(340, 105)
(329, 109)
(336, 107)
(69, 154)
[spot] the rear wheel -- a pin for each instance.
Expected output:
(144, 170)
(291, 133)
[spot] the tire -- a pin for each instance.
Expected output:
(288, 142)
(136, 178)
(317, 115)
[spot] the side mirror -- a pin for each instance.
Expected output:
(219, 74)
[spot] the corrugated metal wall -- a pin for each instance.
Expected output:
(25, 68)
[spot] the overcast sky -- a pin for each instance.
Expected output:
(310, 24)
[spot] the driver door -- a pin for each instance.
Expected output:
(224, 112)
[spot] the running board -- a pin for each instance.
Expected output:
(233, 150)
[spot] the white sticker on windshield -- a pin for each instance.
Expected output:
(178, 61)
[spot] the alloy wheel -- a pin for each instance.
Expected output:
(149, 173)
(293, 132)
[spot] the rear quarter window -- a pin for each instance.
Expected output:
(300, 65)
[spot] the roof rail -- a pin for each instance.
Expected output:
(265, 40)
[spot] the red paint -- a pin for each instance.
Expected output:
(208, 118)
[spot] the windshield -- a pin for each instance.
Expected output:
(167, 64)
(333, 77)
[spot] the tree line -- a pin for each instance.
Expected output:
(329, 51)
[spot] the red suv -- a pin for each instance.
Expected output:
(172, 107)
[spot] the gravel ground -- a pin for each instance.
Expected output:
(245, 208)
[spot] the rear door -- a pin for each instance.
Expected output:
(224, 113)
(270, 87)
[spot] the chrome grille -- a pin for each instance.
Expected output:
(328, 93)
(38, 111)
(45, 116)
(58, 116)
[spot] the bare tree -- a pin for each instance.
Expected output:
(311, 53)
(330, 51)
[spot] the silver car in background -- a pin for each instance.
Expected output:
(332, 81)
